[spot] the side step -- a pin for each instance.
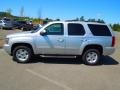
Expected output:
(48, 56)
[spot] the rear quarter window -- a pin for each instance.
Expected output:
(99, 30)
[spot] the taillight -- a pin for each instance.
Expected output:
(113, 41)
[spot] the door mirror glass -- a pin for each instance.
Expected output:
(43, 32)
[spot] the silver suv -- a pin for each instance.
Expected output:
(85, 39)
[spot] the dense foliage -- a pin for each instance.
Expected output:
(116, 27)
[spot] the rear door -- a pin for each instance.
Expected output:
(74, 38)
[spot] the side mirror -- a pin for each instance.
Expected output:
(43, 32)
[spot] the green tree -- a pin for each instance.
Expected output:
(77, 19)
(82, 18)
(91, 20)
(100, 21)
(5, 14)
(110, 25)
(116, 27)
(9, 10)
(57, 19)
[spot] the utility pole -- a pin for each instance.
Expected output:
(40, 15)
(22, 12)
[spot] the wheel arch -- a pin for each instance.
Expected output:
(21, 44)
(94, 46)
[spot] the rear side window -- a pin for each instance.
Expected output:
(75, 29)
(99, 30)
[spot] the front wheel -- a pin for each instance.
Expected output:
(91, 57)
(22, 54)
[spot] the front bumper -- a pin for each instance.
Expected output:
(7, 48)
(108, 50)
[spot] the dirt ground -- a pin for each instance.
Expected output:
(1, 43)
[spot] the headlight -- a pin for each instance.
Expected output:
(6, 40)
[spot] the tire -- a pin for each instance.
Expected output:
(22, 54)
(91, 57)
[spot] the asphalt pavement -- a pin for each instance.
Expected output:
(59, 74)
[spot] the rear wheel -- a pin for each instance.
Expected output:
(91, 57)
(22, 54)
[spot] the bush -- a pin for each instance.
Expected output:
(116, 27)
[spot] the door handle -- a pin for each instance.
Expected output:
(60, 40)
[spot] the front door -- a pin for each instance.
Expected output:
(53, 42)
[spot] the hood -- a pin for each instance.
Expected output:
(21, 34)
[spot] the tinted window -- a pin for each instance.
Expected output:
(55, 29)
(22, 22)
(99, 30)
(7, 19)
(75, 29)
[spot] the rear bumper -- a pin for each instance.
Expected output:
(108, 50)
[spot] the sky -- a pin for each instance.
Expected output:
(108, 10)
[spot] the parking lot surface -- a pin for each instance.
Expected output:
(60, 73)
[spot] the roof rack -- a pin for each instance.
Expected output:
(75, 21)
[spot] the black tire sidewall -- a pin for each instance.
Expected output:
(22, 47)
(86, 52)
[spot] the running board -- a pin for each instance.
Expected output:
(48, 56)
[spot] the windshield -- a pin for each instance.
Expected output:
(35, 30)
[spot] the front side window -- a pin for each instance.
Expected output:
(75, 29)
(55, 29)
